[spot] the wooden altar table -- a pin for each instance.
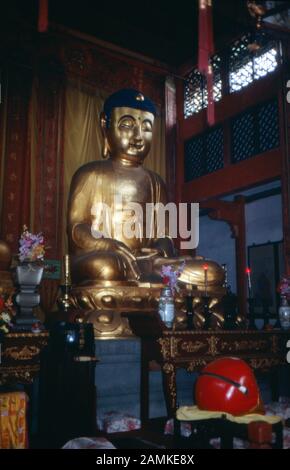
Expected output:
(170, 349)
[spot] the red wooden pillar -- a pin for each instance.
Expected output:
(284, 106)
(179, 177)
(170, 134)
(179, 140)
(239, 231)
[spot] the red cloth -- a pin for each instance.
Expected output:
(43, 16)
(49, 171)
(205, 39)
(16, 203)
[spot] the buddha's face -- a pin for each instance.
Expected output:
(129, 135)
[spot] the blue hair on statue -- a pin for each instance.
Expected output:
(128, 98)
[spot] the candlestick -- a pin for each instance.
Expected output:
(189, 308)
(205, 267)
(206, 312)
(248, 273)
(66, 269)
(251, 325)
(64, 299)
(225, 269)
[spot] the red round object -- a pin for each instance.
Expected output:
(228, 384)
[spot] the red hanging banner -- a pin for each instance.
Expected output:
(205, 51)
(210, 106)
(43, 16)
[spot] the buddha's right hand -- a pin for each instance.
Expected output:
(111, 244)
(133, 271)
(84, 239)
(115, 246)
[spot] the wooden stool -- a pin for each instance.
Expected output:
(258, 433)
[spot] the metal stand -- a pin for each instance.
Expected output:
(230, 305)
(189, 312)
(252, 324)
(278, 323)
(29, 276)
(63, 300)
(207, 312)
(266, 315)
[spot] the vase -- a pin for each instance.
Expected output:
(284, 313)
(29, 276)
(166, 307)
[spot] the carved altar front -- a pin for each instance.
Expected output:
(192, 350)
(20, 356)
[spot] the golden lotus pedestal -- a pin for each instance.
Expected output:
(104, 305)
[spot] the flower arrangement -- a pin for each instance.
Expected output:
(284, 287)
(7, 312)
(31, 246)
(170, 276)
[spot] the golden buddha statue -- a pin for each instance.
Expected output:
(6, 284)
(5, 256)
(110, 244)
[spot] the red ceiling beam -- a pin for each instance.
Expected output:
(257, 170)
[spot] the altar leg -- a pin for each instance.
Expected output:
(144, 382)
(274, 383)
(169, 387)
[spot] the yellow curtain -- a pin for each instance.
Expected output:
(83, 138)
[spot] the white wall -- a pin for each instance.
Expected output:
(263, 225)
(215, 243)
(264, 220)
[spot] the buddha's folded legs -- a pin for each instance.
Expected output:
(102, 266)
(117, 266)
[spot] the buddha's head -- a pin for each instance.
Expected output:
(127, 124)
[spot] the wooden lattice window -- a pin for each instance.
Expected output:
(255, 131)
(195, 90)
(244, 67)
(204, 154)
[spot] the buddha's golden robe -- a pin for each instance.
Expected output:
(118, 257)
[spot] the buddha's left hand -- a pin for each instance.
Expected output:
(165, 247)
